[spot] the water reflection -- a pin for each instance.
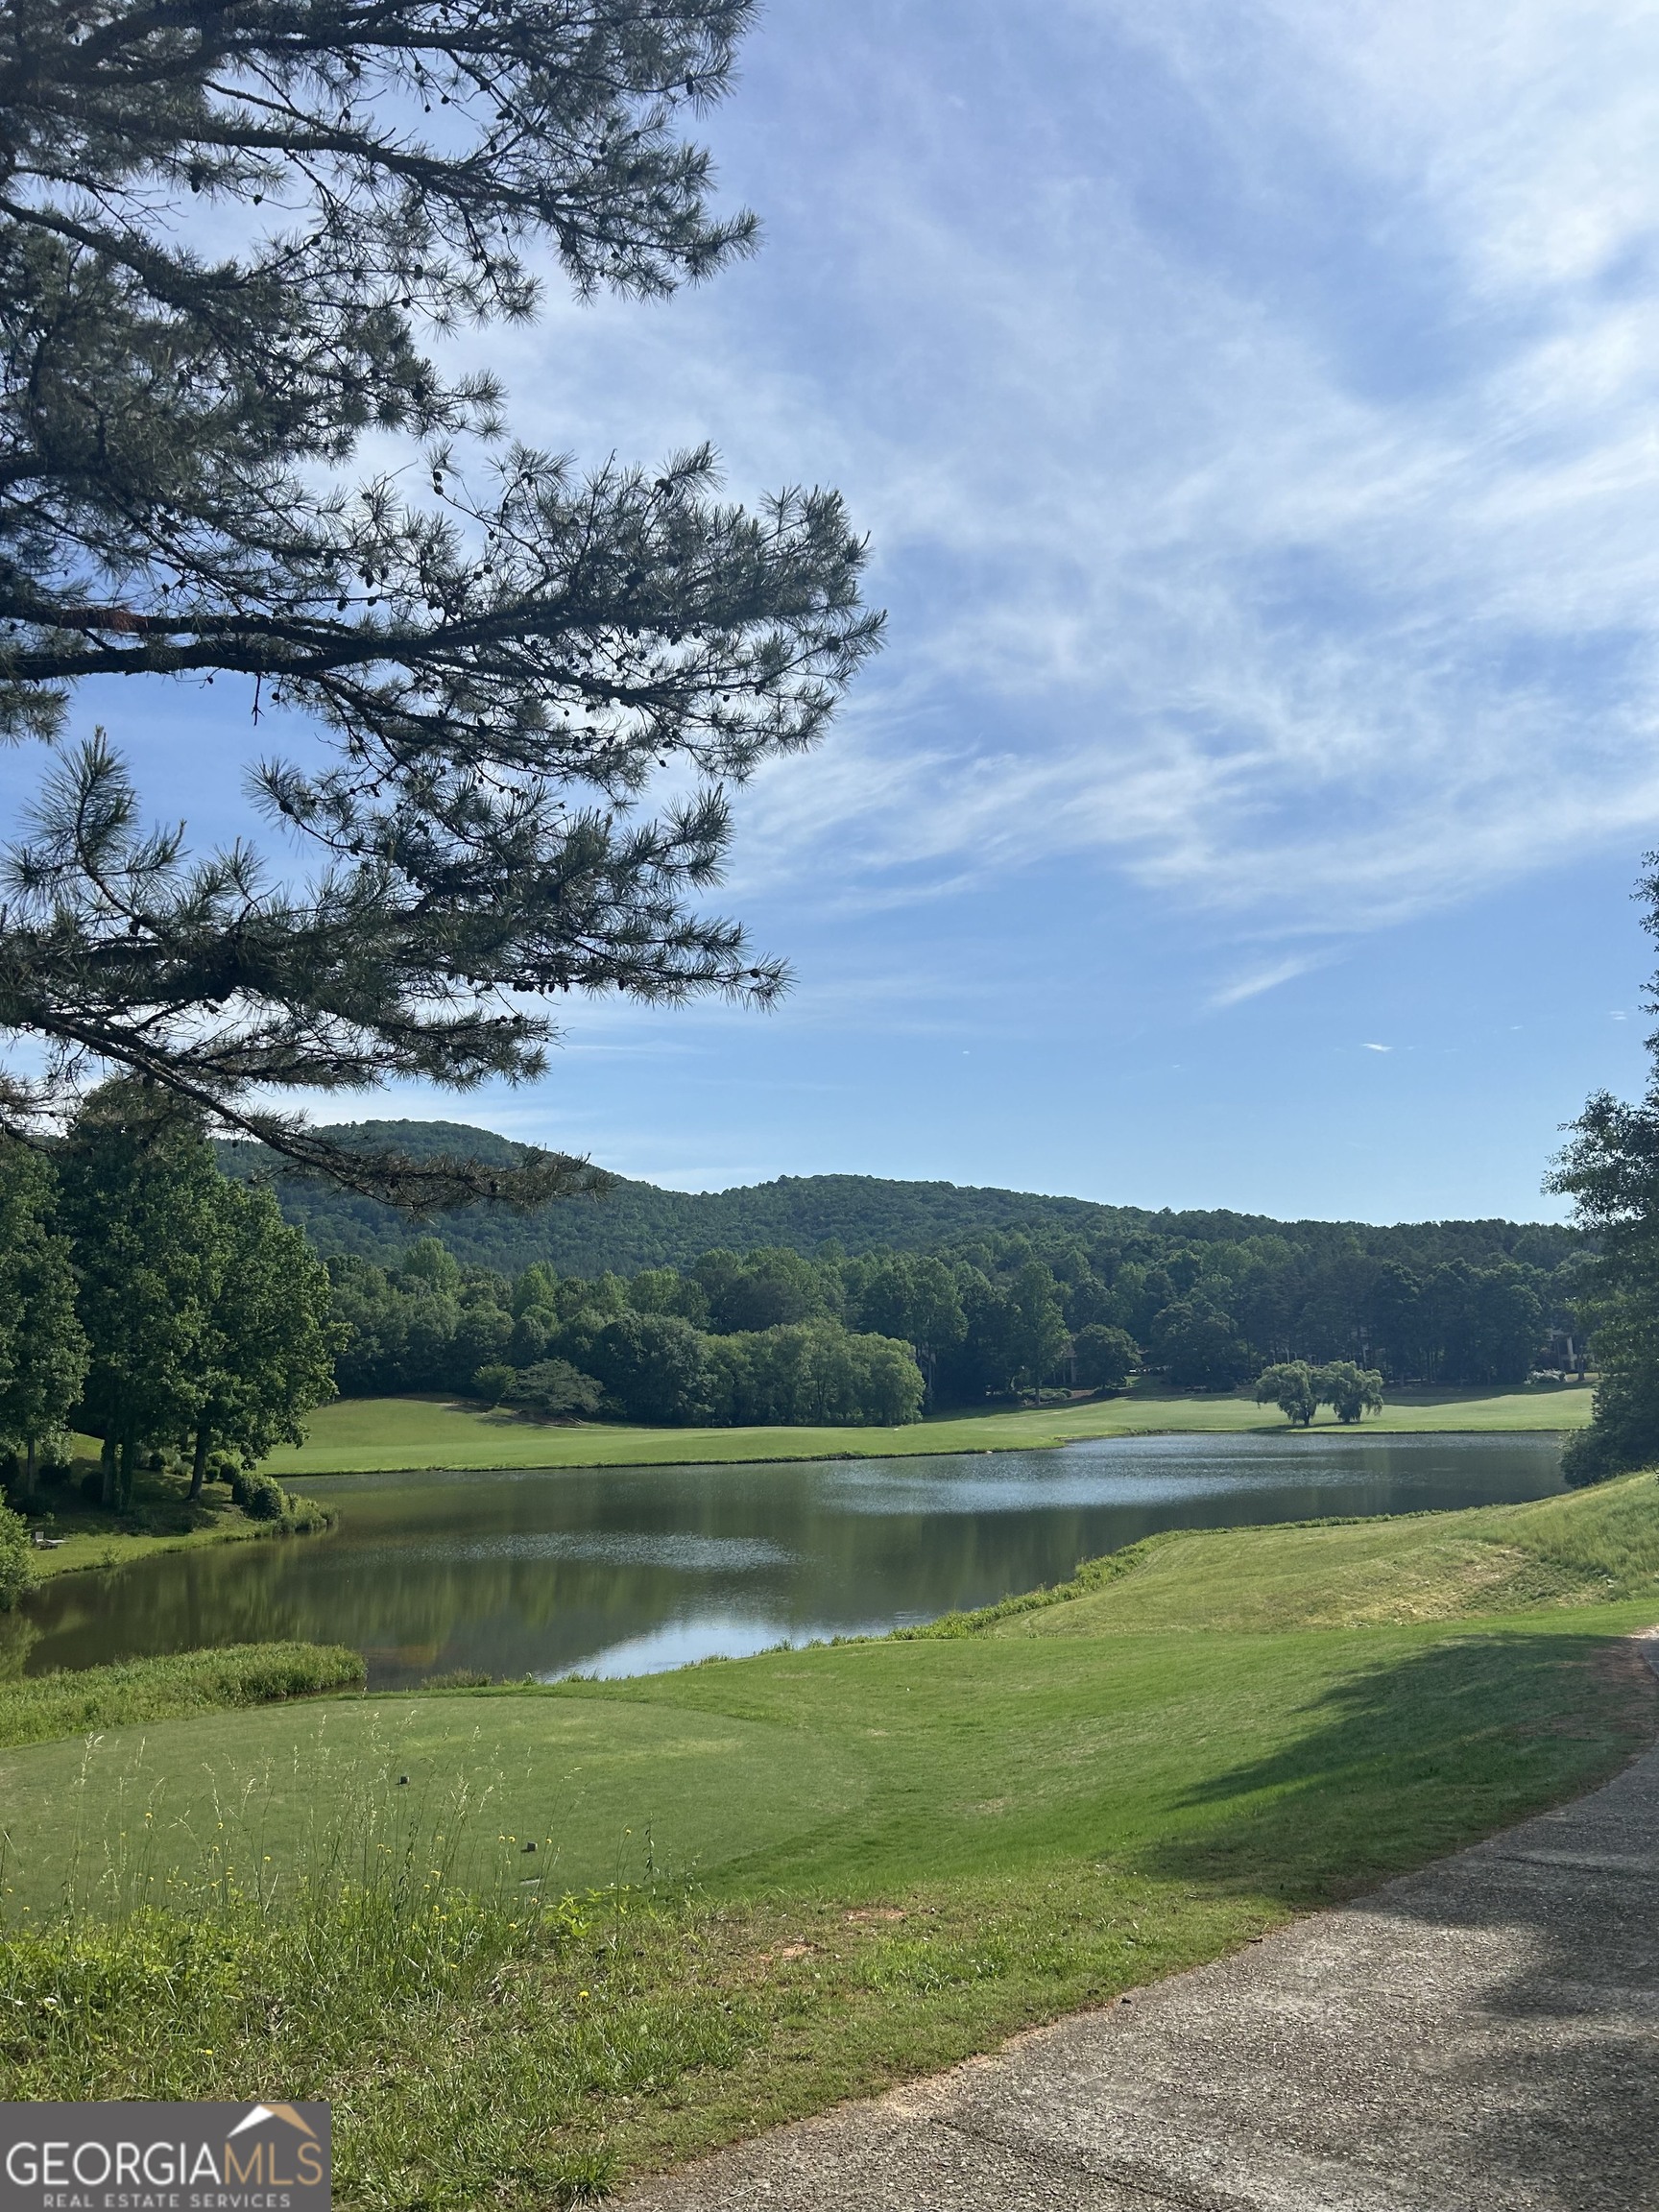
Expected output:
(621, 1570)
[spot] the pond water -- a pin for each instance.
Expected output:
(628, 1571)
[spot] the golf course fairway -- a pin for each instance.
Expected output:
(759, 1885)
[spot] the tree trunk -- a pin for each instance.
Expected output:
(128, 1452)
(29, 1472)
(199, 1465)
(107, 1467)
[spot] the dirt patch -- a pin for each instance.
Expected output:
(1630, 1668)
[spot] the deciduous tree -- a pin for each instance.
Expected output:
(1038, 1325)
(1106, 1358)
(1610, 1169)
(913, 1297)
(265, 1355)
(1198, 1346)
(141, 1203)
(1349, 1389)
(42, 1346)
(554, 1390)
(1290, 1386)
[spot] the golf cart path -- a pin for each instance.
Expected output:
(1480, 2036)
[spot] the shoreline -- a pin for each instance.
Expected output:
(126, 1548)
(944, 1452)
(412, 1436)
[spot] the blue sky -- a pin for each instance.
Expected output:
(1253, 408)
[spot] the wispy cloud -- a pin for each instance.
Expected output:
(1262, 980)
(1252, 412)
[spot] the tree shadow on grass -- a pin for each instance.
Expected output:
(1413, 1758)
(1498, 2011)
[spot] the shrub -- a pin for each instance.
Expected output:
(1594, 1456)
(264, 1499)
(553, 1390)
(305, 1516)
(492, 1381)
(16, 1565)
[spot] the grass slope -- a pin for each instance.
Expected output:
(898, 1851)
(1587, 1548)
(365, 1435)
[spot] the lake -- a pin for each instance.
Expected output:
(629, 1571)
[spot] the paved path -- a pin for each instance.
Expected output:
(1482, 2036)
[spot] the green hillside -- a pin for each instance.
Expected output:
(641, 1226)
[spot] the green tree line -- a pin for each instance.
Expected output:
(162, 1307)
(993, 1316)
(735, 1341)
(149, 1302)
(1610, 1169)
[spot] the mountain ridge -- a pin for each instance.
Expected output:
(643, 1225)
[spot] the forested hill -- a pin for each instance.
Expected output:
(641, 1226)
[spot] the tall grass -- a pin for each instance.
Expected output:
(1607, 1535)
(461, 2015)
(35, 1708)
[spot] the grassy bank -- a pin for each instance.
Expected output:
(35, 1709)
(362, 1436)
(163, 1518)
(838, 1867)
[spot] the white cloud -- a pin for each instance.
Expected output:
(1267, 978)
(1286, 534)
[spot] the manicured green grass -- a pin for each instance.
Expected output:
(902, 1852)
(363, 1435)
(814, 1871)
(854, 1768)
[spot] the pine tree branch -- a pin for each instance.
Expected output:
(501, 667)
